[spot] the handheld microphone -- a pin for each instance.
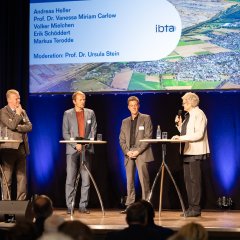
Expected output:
(179, 112)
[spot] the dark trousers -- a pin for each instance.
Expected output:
(192, 178)
(14, 160)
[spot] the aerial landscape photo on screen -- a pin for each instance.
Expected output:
(207, 56)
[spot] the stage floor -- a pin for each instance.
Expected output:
(219, 224)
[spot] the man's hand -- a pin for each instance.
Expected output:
(133, 154)
(19, 110)
(176, 137)
(79, 147)
(178, 121)
(129, 154)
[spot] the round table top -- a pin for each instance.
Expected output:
(162, 140)
(10, 141)
(83, 141)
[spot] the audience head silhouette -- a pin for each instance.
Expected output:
(160, 232)
(42, 206)
(54, 236)
(76, 230)
(136, 214)
(191, 231)
(150, 211)
(194, 231)
(23, 230)
(52, 223)
(42, 209)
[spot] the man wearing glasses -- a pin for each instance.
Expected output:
(136, 154)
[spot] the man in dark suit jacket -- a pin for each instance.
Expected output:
(15, 125)
(78, 122)
(137, 154)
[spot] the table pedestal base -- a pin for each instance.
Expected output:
(161, 171)
(77, 181)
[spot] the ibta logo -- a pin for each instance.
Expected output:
(166, 28)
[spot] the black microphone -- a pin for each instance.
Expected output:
(179, 113)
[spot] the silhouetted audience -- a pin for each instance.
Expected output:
(139, 217)
(137, 225)
(54, 236)
(42, 209)
(22, 230)
(191, 231)
(177, 237)
(162, 232)
(3, 234)
(76, 230)
(52, 223)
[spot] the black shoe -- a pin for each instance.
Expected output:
(193, 214)
(69, 210)
(84, 210)
(186, 212)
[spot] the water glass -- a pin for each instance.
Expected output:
(92, 135)
(6, 134)
(164, 135)
(99, 137)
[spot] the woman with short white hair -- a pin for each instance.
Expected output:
(191, 98)
(193, 130)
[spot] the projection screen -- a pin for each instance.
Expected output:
(137, 45)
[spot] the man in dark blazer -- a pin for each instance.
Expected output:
(15, 125)
(137, 154)
(78, 122)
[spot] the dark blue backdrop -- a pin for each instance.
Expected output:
(46, 168)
